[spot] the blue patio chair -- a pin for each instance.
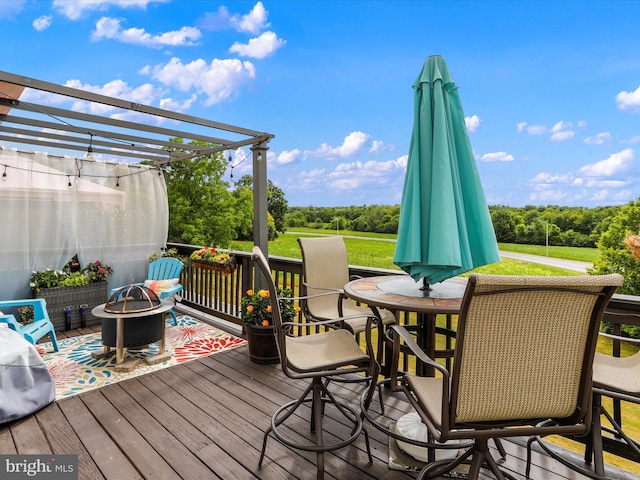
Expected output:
(32, 332)
(163, 269)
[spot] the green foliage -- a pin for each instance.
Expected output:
(170, 253)
(201, 209)
(97, 271)
(615, 257)
(75, 279)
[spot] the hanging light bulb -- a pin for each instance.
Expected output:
(90, 149)
(117, 181)
(69, 179)
(259, 156)
(230, 159)
(4, 174)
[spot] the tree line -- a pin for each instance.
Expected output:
(530, 225)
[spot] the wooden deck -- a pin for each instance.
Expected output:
(204, 419)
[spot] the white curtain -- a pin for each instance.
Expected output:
(54, 207)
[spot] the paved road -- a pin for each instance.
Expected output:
(571, 265)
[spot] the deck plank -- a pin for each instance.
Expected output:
(111, 461)
(63, 439)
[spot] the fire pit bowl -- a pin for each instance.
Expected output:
(133, 302)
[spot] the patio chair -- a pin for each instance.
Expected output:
(317, 357)
(617, 378)
(32, 332)
(522, 365)
(163, 278)
(325, 270)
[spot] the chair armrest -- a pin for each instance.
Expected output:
(619, 337)
(10, 320)
(399, 332)
(326, 289)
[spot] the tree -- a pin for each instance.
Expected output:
(200, 206)
(277, 205)
(615, 257)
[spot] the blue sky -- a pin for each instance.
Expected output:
(550, 89)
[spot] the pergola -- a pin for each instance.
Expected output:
(146, 138)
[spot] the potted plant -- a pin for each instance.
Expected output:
(633, 244)
(208, 258)
(70, 296)
(256, 312)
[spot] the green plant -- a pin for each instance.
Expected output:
(25, 314)
(75, 279)
(256, 307)
(211, 255)
(170, 252)
(46, 279)
(97, 271)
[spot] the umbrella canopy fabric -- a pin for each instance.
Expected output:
(445, 228)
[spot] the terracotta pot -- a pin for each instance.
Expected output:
(262, 344)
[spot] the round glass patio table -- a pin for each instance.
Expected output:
(401, 292)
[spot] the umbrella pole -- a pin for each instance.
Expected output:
(425, 284)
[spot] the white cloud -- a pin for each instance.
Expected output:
(536, 130)
(521, 126)
(561, 132)
(629, 100)
(497, 157)
(42, 23)
(110, 28)
(219, 80)
(632, 140)
(177, 105)
(73, 9)
(259, 47)
(347, 176)
(11, 9)
(617, 162)
(473, 123)
(145, 94)
(253, 22)
(607, 183)
(597, 139)
(562, 136)
(288, 156)
(378, 146)
(352, 144)
(545, 178)
(548, 196)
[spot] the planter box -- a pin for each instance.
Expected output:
(58, 298)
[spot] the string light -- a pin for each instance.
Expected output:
(69, 178)
(90, 149)
(259, 156)
(117, 181)
(4, 174)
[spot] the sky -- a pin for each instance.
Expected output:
(550, 89)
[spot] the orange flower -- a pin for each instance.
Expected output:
(265, 323)
(263, 293)
(249, 308)
(249, 293)
(297, 309)
(269, 309)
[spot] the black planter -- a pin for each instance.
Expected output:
(138, 331)
(262, 344)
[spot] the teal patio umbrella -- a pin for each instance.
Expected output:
(445, 228)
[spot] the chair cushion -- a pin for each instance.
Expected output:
(324, 350)
(159, 286)
(617, 374)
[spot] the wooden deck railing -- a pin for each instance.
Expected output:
(220, 295)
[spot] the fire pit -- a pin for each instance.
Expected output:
(133, 317)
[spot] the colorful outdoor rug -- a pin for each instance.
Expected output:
(76, 371)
